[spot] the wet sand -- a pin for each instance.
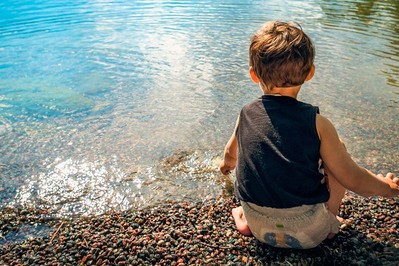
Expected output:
(202, 233)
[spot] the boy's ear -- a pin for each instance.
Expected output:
(254, 77)
(311, 73)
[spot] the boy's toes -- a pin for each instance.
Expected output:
(340, 219)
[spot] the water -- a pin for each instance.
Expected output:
(124, 104)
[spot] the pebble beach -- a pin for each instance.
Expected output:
(194, 233)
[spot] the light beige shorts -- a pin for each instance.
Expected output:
(300, 227)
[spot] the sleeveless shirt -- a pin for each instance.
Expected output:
(279, 153)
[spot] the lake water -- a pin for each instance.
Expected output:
(124, 104)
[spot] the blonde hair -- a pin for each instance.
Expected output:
(281, 54)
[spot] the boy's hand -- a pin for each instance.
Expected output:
(392, 181)
(226, 168)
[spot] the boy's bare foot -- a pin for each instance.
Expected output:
(341, 220)
(240, 221)
(331, 235)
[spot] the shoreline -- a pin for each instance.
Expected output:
(200, 233)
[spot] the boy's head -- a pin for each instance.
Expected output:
(281, 55)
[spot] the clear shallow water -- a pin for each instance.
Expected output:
(123, 104)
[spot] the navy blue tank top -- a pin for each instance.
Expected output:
(279, 153)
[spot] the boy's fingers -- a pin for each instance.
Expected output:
(390, 175)
(224, 171)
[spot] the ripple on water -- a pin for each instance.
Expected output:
(71, 187)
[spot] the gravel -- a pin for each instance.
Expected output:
(196, 233)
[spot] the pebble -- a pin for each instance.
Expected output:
(183, 233)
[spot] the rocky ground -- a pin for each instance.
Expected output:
(195, 234)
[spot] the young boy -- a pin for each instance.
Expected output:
(292, 169)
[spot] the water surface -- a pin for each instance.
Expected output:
(124, 104)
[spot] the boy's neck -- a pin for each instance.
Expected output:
(283, 91)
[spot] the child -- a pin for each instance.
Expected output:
(292, 169)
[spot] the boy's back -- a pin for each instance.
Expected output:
(279, 166)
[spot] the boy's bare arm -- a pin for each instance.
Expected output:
(230, 154)
(346, 171)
